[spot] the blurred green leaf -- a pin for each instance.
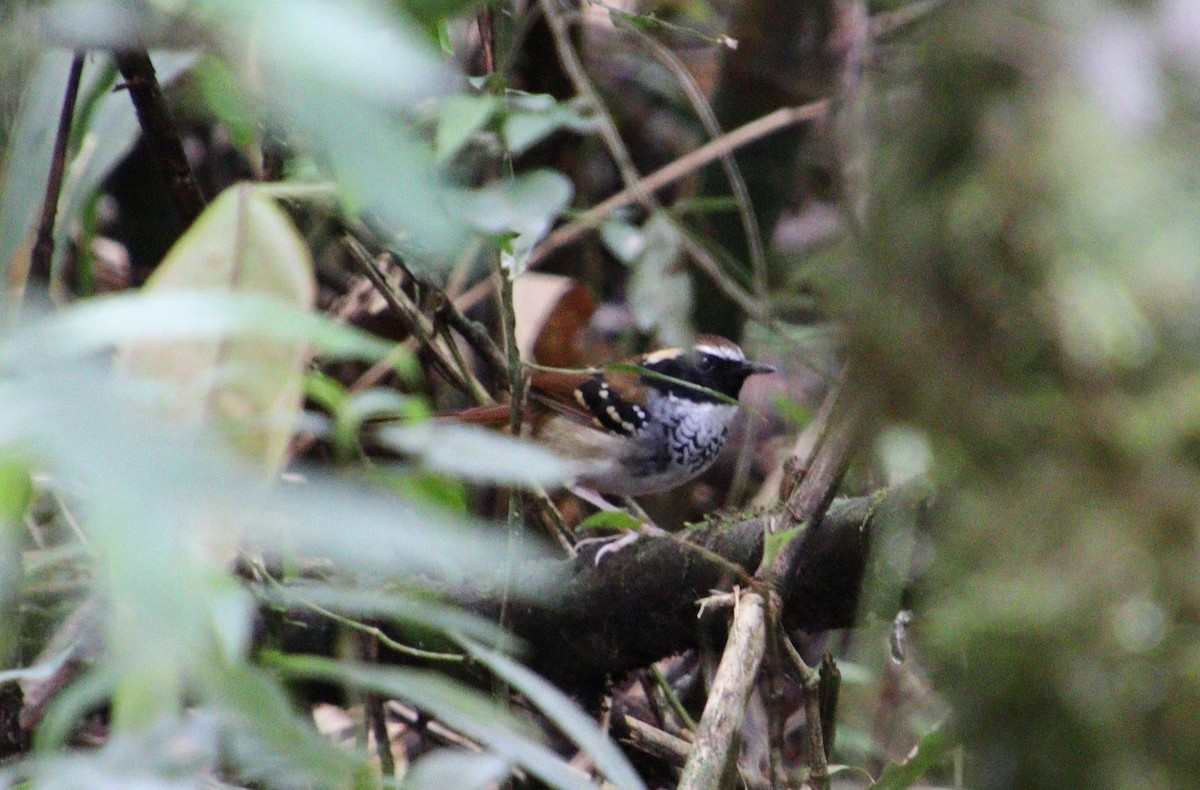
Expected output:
(931, 749)
(459, 117)
(458, 706)
(610, 521)
(16, 491)
(426, 488)
(373, 404)
(456, 768)
(395, 606)
(346, 76)
(269, 744)
(566, 715)
(521, 209)
(362, 48)
(660, 290)
(249, 387)
(431, 13)
(623, 239)
(95, 325)
(532, 118)
(775, 542)
(526, 203)
(227, 98)
(360, 527)
(136, 761)
(476, 454)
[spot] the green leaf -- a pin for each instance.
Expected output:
(95, 325)
(249, 386)
(931, 749)
(431, 13)
(456, 768)
(375, 403)
(363, 528)
(269, 743)
(426, 488)
(362, 48)
(347, 76)
(459, 117)
(660, 291)
(420, 610)
(565, 714)
(462, 708)
(610, 521)
(532, 118)
(775, 542)
(623, 239)
(521, 209)
(227, 98)
(476, 454)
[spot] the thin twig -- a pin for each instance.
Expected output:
(41, 258)
(516, 392)
(477, 336)
(372, 631)
(420, 723)
(669, 748)
(664, 176)
(818, 766)
(680, 168)
(708, 263)
(672, 698)
(774, 702)
(162, 136)
(708, 118)
(422, 328)
(639, 188)
(377, 721)
(573, 66)
(830, 691)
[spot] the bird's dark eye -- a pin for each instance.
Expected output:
(704, 362)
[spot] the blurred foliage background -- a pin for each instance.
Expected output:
(994, 225)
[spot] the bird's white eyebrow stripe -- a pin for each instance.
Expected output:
(725, 352)
(661, 354)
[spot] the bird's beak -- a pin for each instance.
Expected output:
(759, 367)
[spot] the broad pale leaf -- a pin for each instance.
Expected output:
(247, 385)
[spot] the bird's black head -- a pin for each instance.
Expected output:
(714, 363)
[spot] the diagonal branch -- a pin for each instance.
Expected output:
(43, 248)
(162, 136)
(680, 168)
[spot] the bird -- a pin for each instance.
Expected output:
(642, 427)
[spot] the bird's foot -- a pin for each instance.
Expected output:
(617, 542)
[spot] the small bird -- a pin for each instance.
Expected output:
(632, 433)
